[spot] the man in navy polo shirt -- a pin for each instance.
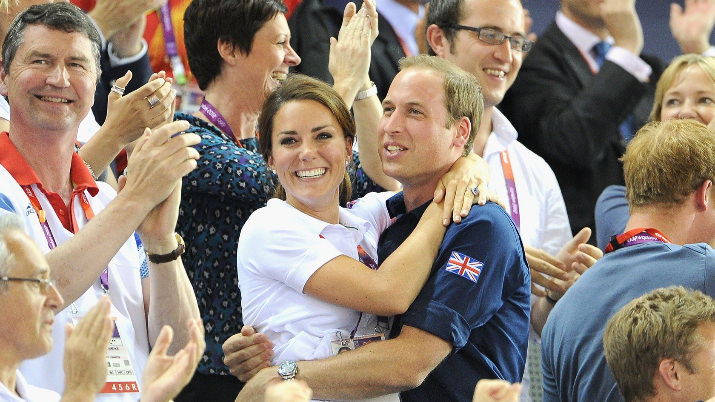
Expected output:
(471, 320)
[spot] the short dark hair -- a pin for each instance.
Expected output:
(301, 87)
(444, 13)
(232, 21)
(58, 16)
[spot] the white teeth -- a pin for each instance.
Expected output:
(498, 73)
(310, 173)
(279, 76)
(51, 99)
(394, 148)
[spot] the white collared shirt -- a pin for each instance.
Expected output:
(402, 20)
(584, 40)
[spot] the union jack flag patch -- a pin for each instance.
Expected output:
(464, 266)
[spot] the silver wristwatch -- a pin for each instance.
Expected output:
(288, 370)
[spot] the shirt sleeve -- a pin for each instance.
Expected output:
(630, 62)
(144, 267)
(450, 305)
(373, 208)
(281, 249)
(557, 230)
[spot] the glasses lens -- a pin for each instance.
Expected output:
(490, 36)
(526, 45)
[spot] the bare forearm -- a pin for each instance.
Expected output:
(540, 311)
(100, 150)
(367, 118)
(367, 372)
(77, 263)
(407, 269)
(378, 368)
(172, 302)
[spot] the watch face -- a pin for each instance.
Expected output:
(287, 369)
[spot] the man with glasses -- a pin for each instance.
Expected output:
(585, 88)
(487, 39)
(29, 300)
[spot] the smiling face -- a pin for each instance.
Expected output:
(270, 58)
(495, 66)
(690, 96)
(309, 153)
(417, 146)
(26, 311)
(52, 79)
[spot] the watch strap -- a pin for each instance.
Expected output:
(163, 258)
(372, 91)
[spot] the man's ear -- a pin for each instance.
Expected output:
(704, 196)
(464, 128)
(3, 77)
(438, 41)
(668, 374)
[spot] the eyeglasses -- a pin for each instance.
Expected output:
(495, 37)
(44, 284)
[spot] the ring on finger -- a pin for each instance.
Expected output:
(153, 101)
(474, 190)
(118, 89)
(126, 172)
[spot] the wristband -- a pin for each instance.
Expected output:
(162, 258)
(372, 91)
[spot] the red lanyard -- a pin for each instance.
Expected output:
(634, 237)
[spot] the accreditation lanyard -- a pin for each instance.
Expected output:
(510, 188)
(172, 49)
(634, 237)
(51, 242)
(217, 119)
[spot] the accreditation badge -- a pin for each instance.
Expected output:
(121, 377)
(341, 344)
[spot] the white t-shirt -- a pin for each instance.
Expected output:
(279, 250)
(544, 222)
(27, 392)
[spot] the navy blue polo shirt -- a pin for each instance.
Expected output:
(476, 298)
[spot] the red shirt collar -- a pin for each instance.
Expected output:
(21, 171)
